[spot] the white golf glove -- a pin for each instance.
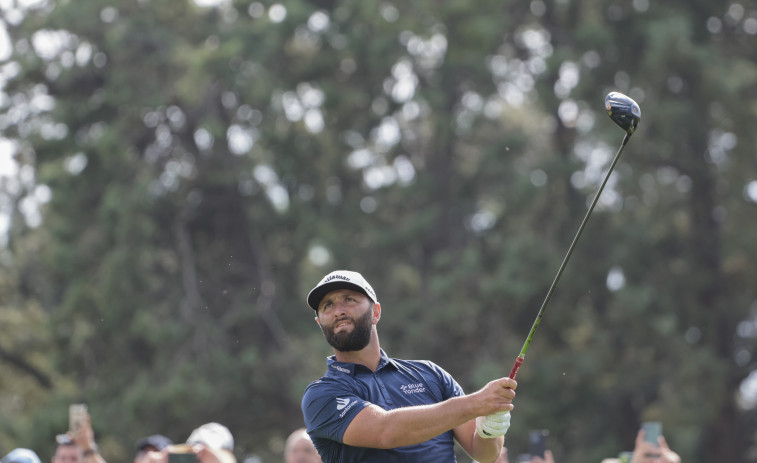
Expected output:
(493, 425)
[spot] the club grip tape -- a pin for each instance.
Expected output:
(516, 367)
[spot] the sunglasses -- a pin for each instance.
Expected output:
(64, 439)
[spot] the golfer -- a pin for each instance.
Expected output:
(369, 407)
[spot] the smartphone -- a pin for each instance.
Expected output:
(537, 440)
(77, 413)
(652, 430)
(182, 457)
(181, 453)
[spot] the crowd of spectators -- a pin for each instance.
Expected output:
(208, 443)
(214, 443)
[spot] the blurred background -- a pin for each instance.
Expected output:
(175, 177)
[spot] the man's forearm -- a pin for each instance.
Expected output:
(485, 450)
(377, 428)
(478, 448)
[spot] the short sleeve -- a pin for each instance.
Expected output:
(329, 407)
(449, 387)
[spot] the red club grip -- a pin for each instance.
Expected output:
(516, 367)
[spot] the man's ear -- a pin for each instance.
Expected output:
(376, 312)
(317, 320)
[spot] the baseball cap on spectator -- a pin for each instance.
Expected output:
(213, 435)
(217, 438)
(157, 441)
(21, 455)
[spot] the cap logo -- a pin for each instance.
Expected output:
(336, 277)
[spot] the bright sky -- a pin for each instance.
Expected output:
(7, 166)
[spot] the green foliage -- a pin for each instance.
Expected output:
(207, 165)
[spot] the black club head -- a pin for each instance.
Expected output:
(623, 111)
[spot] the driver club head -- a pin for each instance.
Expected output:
(623, 111)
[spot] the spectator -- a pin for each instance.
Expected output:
(300, 449)
(150, 448)
(78, 445)
(21, 455)
(646, 452)
(213, 443)
(67, 451)
(372, 408)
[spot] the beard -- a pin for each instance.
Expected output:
(356, 339)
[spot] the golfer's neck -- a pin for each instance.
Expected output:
(369, 356)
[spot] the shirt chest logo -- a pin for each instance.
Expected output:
(414, 388)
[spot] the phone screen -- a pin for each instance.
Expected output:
(538, 442)
(652, 430)
(76, 415)
(182, 457)
(181, 453)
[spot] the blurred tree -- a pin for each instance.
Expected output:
(189, 170)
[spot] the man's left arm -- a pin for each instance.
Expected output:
(478, 448)
(470, 435)
(482, 438)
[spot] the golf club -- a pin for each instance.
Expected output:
(626, 113)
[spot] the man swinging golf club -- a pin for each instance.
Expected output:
(372, 408)
(369, 407)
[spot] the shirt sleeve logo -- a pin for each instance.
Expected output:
(344, 404)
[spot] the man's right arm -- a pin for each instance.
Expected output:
(375, 427)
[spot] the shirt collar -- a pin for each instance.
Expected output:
(335, 367)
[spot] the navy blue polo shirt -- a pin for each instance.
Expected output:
(330, 403)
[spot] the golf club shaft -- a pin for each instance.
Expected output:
(522, 355)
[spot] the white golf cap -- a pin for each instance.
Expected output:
(340, 279)
(213, 435)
